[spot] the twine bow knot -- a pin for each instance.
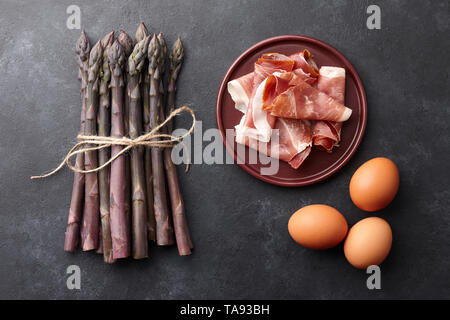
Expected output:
(151, 139)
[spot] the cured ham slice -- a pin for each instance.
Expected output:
(304, 61)
(298, 159)
(278, 83)
(327, 134)
(240, 90)
(290, 142)
(273, 62)
(332, 82)
(301, 75)
(279, 98)
(306, 102)
(258, 124)
(302, 64)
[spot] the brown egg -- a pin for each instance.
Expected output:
(374, 184)
(368, 242)
(318, 226)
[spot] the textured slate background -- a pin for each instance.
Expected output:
(239, 224)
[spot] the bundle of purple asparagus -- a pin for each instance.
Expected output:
(136, 197)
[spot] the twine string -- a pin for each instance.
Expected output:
(150, 139)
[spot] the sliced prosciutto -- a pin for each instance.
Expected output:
(272, 62)
(277, 83)
(290, 142)
(258, 124)
(327, 134)
(240, 90)
(304, 67)
(304, 61)
(306, 102)
(332, 82)
(277, 98)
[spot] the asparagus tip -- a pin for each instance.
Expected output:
(95, 58)
(116, 57)
(83, 46)
(153, 52)
(162, 52)
(177, 54)
(107, 42)
(137, 58)
(141, 33)
(108, 39)
(126, 42)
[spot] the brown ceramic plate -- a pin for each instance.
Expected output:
(319, 165)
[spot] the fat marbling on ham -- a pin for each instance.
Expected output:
(240, 90)
(327, 134)
(291, 141)
(306, 102)
(304, 61)
(258, 124)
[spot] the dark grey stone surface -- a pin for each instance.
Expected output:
(238, 223)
